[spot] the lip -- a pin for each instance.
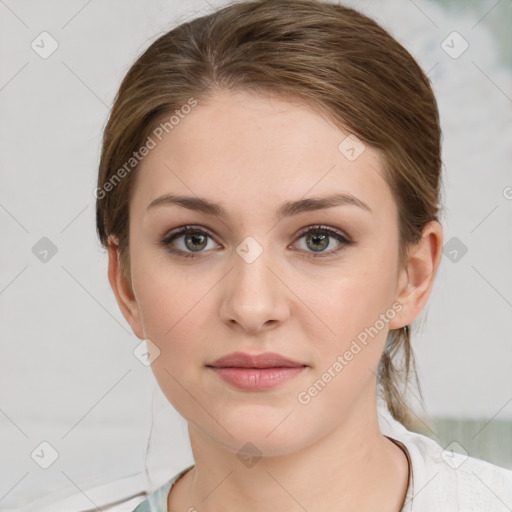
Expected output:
(265, 360)
(256, 372)
(257, 379)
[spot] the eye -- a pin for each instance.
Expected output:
(317, 239)
(193, 239)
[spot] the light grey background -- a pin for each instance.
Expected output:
(67, 372)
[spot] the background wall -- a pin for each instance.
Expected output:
(68, 375)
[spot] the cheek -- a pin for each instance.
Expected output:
(349, 310)
(172, 304)
(173, 317)
(169, 311)
(355, 322)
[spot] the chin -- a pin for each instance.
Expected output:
(262, 438)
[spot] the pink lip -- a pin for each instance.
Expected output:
(255, 379)
(258, 372)
(265, 360)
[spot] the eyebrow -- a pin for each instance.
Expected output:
(287, 209)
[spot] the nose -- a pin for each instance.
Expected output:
(254, 296)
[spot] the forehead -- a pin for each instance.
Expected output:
(241, 147)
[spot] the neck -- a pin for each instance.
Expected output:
(352, 467)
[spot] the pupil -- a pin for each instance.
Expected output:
(196, 238)
(320, 239)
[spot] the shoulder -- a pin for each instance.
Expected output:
(481, 483)
(463, 481)
(445, 480)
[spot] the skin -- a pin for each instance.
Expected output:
(250, 154)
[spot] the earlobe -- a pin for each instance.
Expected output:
(123, 290)
(417, 277)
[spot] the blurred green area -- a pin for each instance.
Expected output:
(489, 439)
(495, 15)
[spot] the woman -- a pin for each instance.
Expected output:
(268, 193)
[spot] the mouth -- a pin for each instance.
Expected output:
(256, 372)
(265, 360)
(257, 379)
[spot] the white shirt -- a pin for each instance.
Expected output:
(439, 481)
(445, 481)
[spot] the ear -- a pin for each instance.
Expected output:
(123, 290)
(417, 277)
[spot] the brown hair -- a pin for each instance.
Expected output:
(329, 56)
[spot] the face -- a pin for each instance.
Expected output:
(317, 285)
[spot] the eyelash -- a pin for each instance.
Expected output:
(315, 229)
